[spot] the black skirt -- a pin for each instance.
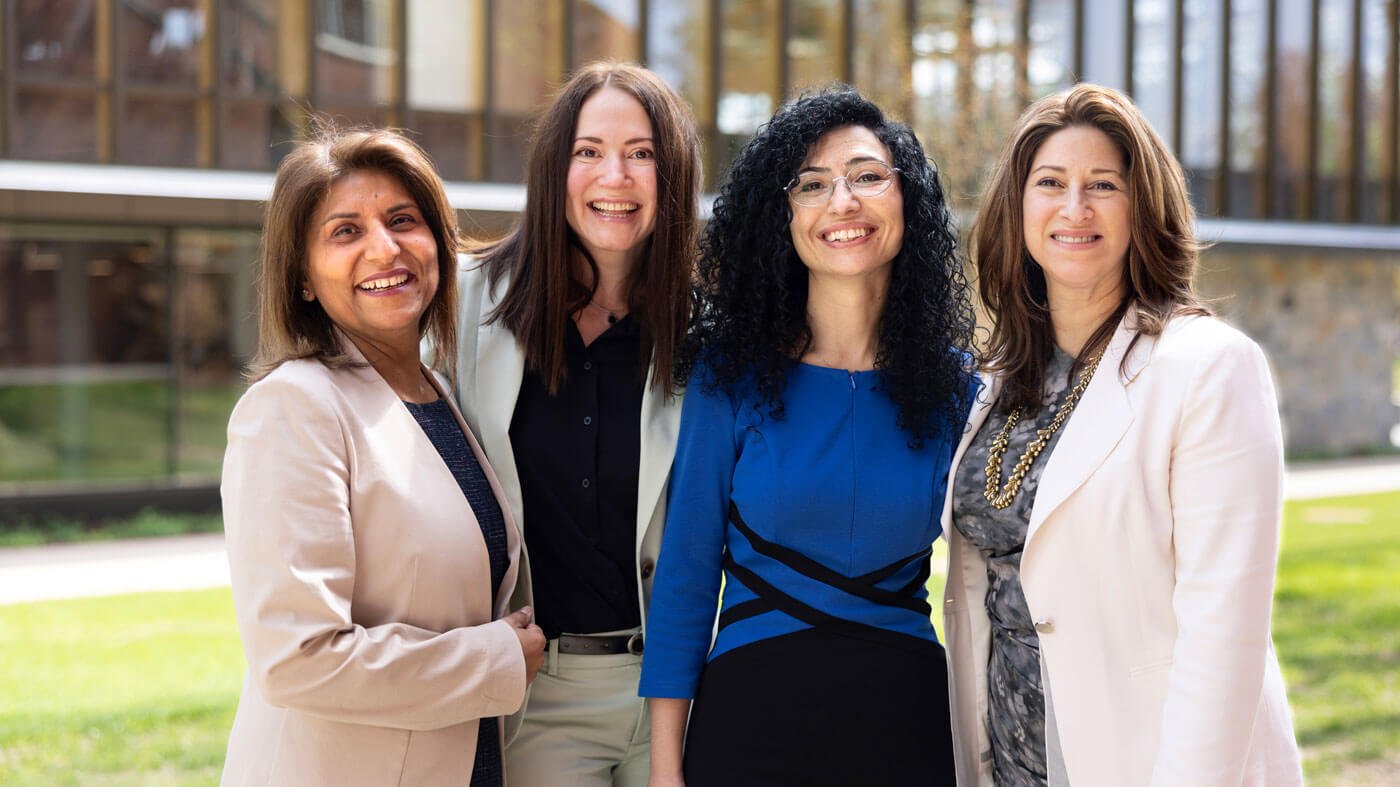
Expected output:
(821, 708)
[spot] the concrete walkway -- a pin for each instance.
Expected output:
(198, 561)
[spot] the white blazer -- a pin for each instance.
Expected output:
(1149, 570)
(490, 367)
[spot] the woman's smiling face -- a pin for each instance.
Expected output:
(611, 204)
(848, 235)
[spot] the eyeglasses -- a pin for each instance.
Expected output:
(866, 179)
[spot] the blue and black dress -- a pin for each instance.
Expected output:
(826, 668)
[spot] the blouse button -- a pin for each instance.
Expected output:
(587, 420)
(585, 483)
(588, 366)
(1045, 626)
(647, 568)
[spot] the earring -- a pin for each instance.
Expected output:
(306, 295)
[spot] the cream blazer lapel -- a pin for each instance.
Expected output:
(1098, 423)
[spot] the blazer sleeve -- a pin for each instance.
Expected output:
(1226, 499)
(685, 597)
(291, 546)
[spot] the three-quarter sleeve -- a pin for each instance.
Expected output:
(291, 541)
(1226, 500)
(685, 598)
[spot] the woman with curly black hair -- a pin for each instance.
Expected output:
(828, 383)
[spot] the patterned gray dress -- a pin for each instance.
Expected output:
(1016, 702)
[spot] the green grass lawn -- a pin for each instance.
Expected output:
(126, 690)
(140, 689)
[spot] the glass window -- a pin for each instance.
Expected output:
(1050, 61)
(605, 29)
(1199, 147)
(160, 42)
(880, 70)
(84, 354)
(1152, 63)
(249, 52)
(678, 48)
(1335, 64)
(1379, 113)
(749, 91)
(51, 125)
(54, 38)
(252, 135)
(217, 334)
(814, 44)
(354, 51)
(942, 85)
(1248, 107)
(453, 142)
(1293, 120)
(159, 132)
(529, 62)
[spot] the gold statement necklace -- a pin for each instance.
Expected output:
(1001, 496)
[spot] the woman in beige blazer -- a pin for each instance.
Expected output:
(569, 326)
(372, 554)
(1113, 520)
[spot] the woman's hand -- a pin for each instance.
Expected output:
(668, 720)
(532, 641)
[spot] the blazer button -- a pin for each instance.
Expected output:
(647, 568)
(1045, 626)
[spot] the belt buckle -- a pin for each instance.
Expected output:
(635, 644)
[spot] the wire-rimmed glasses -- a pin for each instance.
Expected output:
(866, 179)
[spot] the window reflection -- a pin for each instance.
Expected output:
(160, 41)
(355, 56)
(55, 38)
(1199, 147)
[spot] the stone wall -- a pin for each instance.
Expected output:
(1330, 322)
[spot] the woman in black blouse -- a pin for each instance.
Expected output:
(569, 326)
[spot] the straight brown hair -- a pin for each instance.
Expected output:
(536, 257)
(1162, 255)
(291, 328)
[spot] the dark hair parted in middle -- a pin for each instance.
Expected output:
(750, 315)
(537, 256)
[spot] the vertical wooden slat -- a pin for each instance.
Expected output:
(1130, 45)
(1079, 43)
(8, 77)
(1022, 55)
(1222, 178)
(716, 42)
(211, 87)
(110, 84)
(784, 74)
(1178, 73)
(1265, 196)
(570, 51)
(1307, 203)
(398, 27)
(1393, 116)
(643, 32)
(848, 37)
(1356, 177)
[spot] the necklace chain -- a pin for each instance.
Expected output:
(1001, 496)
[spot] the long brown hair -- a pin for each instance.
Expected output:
(1162, 252)
(289, 327)
(536, 257)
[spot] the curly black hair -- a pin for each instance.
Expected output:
(749, 321)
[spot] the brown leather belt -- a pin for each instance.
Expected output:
(587, 644)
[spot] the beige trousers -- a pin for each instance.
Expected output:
(584, 725)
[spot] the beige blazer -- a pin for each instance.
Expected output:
(490, 367)
(361, 586)
(1149, 572)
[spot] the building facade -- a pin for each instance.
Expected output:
(137, 138)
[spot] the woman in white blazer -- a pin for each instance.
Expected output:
(1113, 520)
(569, 328)
(372, 555)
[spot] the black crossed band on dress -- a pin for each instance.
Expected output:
(771, 598)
